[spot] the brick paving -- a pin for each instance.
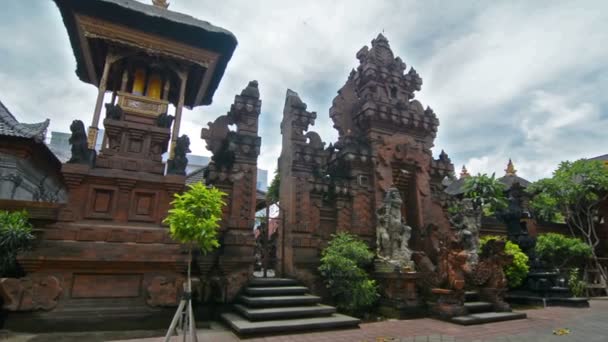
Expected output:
(588, 325)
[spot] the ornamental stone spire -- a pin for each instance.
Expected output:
(160, 3)
(510, 170)
(464, 173)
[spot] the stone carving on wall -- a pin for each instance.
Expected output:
(29, 293)
(163, 291)
(81, 154)
(177, 165)
(164, 120)
(216, 138)
(113, 112)
(392, 234)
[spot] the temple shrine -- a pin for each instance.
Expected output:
(107, 259)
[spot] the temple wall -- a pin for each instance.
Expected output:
(233, 169)
(25, 175)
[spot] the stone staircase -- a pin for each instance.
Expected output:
(275, 305)
(482, 312)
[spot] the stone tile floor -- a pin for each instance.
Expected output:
(588, 325)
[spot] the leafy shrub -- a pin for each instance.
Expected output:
(194, 216)
(486, 192)
(558, 250)
(15, 236)
(576, 285)
(517, 271)
(342, 267)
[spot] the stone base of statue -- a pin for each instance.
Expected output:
(496, 297)
(398, 294)
(449, 303)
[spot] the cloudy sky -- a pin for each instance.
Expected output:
(526, 80)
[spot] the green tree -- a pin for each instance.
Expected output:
(342, 267)
(15, 236)
(194, 217)
(486, 192)
(518, 270)
(575, 284)
(272, 194)
(193, 220)
(558, 250)
(575, 191)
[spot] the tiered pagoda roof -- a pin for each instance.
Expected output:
(9, 126)
(511, 178)
(602, 157)
(93, 24)
(508, 180)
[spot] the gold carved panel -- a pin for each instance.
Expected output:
(141, 104)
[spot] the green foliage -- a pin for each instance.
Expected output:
(517, 271)
(574, 192)
(194, 216)
(272, 194)
(486, 192)
(558, 250)
(576, 285)
(15, 236)
(342, 264)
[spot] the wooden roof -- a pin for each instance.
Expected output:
(177, 35)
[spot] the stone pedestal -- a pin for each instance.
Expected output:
(399, 297)
(449, 303)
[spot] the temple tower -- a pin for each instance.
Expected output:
(109, 252)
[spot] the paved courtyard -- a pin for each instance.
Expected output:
(583, 324)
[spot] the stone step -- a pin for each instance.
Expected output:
(244, 327)
(276, 290)
(476, 307)
(257, 314)
(487, 317)
(275, 301)
(272, 282)
(471, 296)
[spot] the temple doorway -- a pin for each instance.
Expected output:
(404, 179)
(266, 233)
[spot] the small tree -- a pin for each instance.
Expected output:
(575, 284)
(193, 220)
(342, 267)
(272, 194)
(518, 270)
(486, 192)
(575, 191)
(558, 250)
(15, 236)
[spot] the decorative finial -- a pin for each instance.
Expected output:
(160, 3)
(464, 173)
(510, 170)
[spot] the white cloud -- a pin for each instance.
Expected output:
(506, 79)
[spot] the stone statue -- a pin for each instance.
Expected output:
(113, 112)
(392, 234)
(489, 274)
(164, 120)
(81, 154)
(467, 221)
(177, 165)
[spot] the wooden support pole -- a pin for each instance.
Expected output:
(93, 129)
(166, 89)
(178, 111)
